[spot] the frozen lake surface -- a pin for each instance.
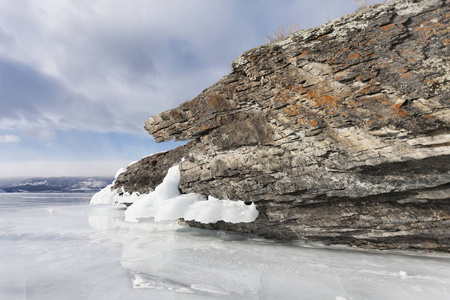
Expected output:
(56, 246)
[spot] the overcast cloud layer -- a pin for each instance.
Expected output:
(86, 74)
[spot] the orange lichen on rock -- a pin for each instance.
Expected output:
(397, 105)
(176, 114)
(311, 94)
(388, 27)
(213, 102)
(293, 110)
(216, 101)
(430, 28)
(282, 97)
(313, 122)
(303, 53)
(289, 93)
(327, 101)
(303, 117)
(367, 89)
(401, 112)
(353, 55)
(398, 110)
(378, 117)
(406, 75)
(193, 105)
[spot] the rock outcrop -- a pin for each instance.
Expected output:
(338, 134)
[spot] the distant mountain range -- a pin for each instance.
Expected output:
(54, 184)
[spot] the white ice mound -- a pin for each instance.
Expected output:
(166, 203)
(106, 196)
(109, 196)
(215, 210)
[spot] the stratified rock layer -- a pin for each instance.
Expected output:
(338, 134)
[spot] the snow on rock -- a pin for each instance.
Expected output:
(105, 196)
(108, 195)
(214, 210)
(120, 171)
(167, 203)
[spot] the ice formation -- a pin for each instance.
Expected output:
(167, 203)
(106, 196)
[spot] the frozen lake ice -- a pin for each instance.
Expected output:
(57, 246)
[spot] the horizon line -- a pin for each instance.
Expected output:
(49, 169)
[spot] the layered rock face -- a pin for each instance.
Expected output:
(338, 134)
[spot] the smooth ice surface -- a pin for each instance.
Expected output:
(56, 246)
(167, 203)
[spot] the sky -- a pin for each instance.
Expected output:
(78, 78)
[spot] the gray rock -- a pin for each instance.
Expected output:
(338, 133)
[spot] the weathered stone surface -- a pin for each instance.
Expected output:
(143, 176)
(338, 133)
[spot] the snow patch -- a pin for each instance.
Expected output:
(30, 183)
(106, 196)
(167, 203)
(214, 210)
(120, 171)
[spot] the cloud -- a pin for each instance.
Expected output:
(9, 139)
(102, 67)
(36, 104)
(109, 65)
(7, 41)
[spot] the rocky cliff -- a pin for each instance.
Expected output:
(338, 134)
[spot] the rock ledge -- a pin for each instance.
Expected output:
(338, 134)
